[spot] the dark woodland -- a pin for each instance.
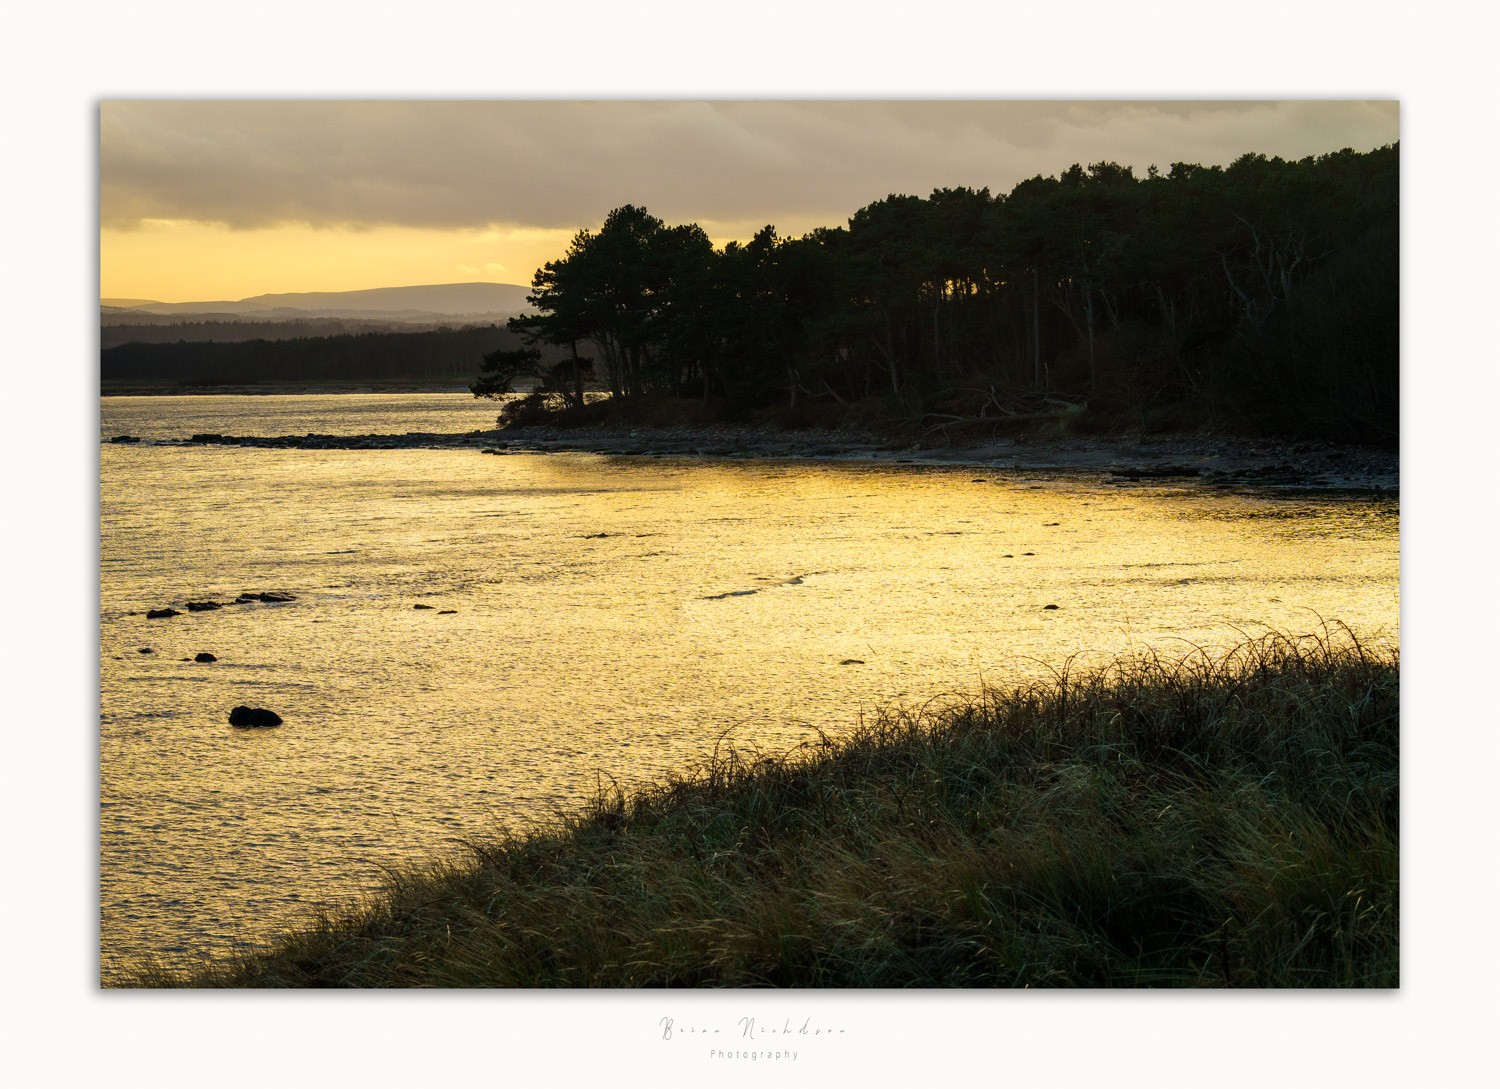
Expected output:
(1262, 297)
(433, 356)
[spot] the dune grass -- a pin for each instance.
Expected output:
(1213, 821)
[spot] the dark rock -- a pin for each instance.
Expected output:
(1028, 553)
(203, 606)
(424, 606)
(852, 661)
(157, 614)
(253, 716)
(1158, 473)
(446, 612)
(1008, 556)
(147, 650)
(1045, 607)
(247, 596)
(124, 438)
(208, 437)
(205, 656)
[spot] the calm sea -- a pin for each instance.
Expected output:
(611, 619)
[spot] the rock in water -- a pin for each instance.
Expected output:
(203, 606)
(157, 614)
(205, 656)
(424, 606)
(253, 716)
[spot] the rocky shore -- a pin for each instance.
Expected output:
(1208, 460)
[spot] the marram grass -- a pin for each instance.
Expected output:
(1214, 821)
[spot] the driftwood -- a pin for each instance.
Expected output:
(994, 422)
(1027, 408)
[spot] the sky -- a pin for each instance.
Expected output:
(221, 199)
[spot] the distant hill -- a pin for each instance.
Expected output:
(423, 303)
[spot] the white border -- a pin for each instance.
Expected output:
(62, 1028)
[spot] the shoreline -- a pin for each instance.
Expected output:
(1252, 799)
(289, 389)
(1213, 461)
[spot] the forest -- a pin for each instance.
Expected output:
(168, 329)
(1261, 297)
(435, 355)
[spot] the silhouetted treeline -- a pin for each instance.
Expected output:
(165, 330)
(446, 355)
(1261, 296)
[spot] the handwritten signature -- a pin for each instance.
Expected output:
(748, 1028)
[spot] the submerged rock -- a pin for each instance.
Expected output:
(205, 656)
(446, 612)
(247, 596)
(852, 661)
(1046, 607)
(424, 606)
(158, 614)
(203, 606)
(253, 716)
(147, 650)
(124, 438)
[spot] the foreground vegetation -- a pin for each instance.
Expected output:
(1213, 821)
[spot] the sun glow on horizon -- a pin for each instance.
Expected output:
(174, 261)
(181, 260)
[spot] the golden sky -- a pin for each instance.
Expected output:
(191, 260)
(205, 200)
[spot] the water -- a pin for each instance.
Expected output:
(271, 415)
(612, 617)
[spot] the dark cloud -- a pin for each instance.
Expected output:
(563, 164)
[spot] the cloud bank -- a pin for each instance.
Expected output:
(563, 164)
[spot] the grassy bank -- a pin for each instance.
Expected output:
(1214, 821)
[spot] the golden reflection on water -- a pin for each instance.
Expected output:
(611, 617)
